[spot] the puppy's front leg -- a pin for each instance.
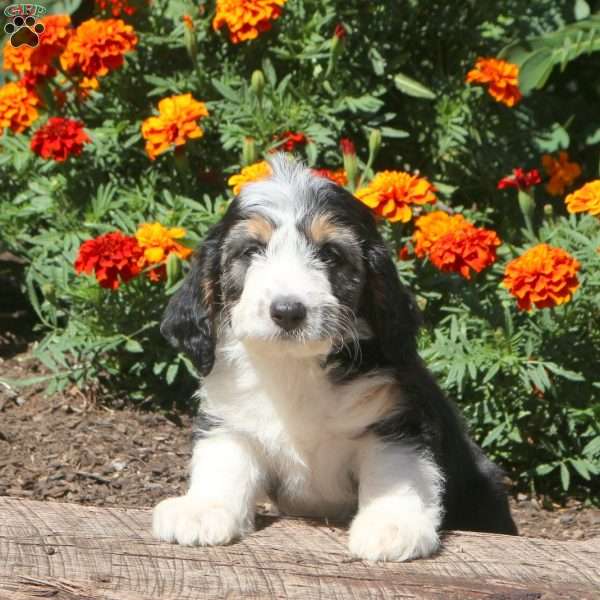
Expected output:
(219, 506)
(399, 503)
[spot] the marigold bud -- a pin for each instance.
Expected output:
(374, 142)
(257, 83)
(249, 151)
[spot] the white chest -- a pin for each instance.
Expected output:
(307, 429)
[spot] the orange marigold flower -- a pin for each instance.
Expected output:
(543, 276)
(562, 172)
(465, 248)
(97, 46)
(114, 258)
(245, 19)
(175, 124)
(59, 139)
(431, 227)
(254, 172)
(338, 176)
(188, 22)
(500, 77)
(585, 199)
(25, 59)
(391, 193)
(17, 107)
(157, 243)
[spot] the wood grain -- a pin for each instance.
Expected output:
(71, 552)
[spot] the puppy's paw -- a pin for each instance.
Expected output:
(191, 522)
(376, 534)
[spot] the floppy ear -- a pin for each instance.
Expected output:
(388, 307)
(188, 322)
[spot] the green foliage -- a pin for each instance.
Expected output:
(528, 383)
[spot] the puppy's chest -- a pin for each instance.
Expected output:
(307, 429)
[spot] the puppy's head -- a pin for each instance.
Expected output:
(296, 266)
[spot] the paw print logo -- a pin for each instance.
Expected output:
(24, 31)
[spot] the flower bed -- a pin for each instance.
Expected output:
(126, 132)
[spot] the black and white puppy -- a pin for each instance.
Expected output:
(313, 392)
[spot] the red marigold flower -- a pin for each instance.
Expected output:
(339, 176)
(500, 77)
(340, 31)
(291, 139)
(245, 19)
(465, 248)
(347, 146)
(116, 7)
(114, 258)
(520, 179)
(59, 139)
(544, 276)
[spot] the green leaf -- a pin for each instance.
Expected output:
(226, 91)
(592, 448)
(133, 346)
(565, 476)
(172, 373)
(544, 469)
(535, 70)
(581, 10)
(581, 467)
(413, 88)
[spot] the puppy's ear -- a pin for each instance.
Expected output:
(388, 307)
(188, 322)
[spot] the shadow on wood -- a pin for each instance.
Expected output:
(70, 552)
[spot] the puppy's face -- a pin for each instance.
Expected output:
(291, 278)
(296, 266)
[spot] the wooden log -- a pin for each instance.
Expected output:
(70, 552)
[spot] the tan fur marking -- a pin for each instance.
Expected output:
(262, 229)
(322, 228)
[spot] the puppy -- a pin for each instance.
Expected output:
(313, 392)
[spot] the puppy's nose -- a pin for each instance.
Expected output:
(287, 312)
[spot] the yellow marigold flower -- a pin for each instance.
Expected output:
(585, 199)
(98, 46)
(245, 19)
(25, 59)
(158, 241)
(431, 227)
(17, 107)
(562, 172)
(175, 124)
(391, 193)
(543, 276)
(500, 77)
(254, 172)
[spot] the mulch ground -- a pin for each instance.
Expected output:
(66, 448)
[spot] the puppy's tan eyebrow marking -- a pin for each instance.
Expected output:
(322, 228)
(259, 228)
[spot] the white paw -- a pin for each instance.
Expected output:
(192, 522)
(383, 535)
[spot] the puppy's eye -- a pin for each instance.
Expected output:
(331, 254)
(251, 250)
